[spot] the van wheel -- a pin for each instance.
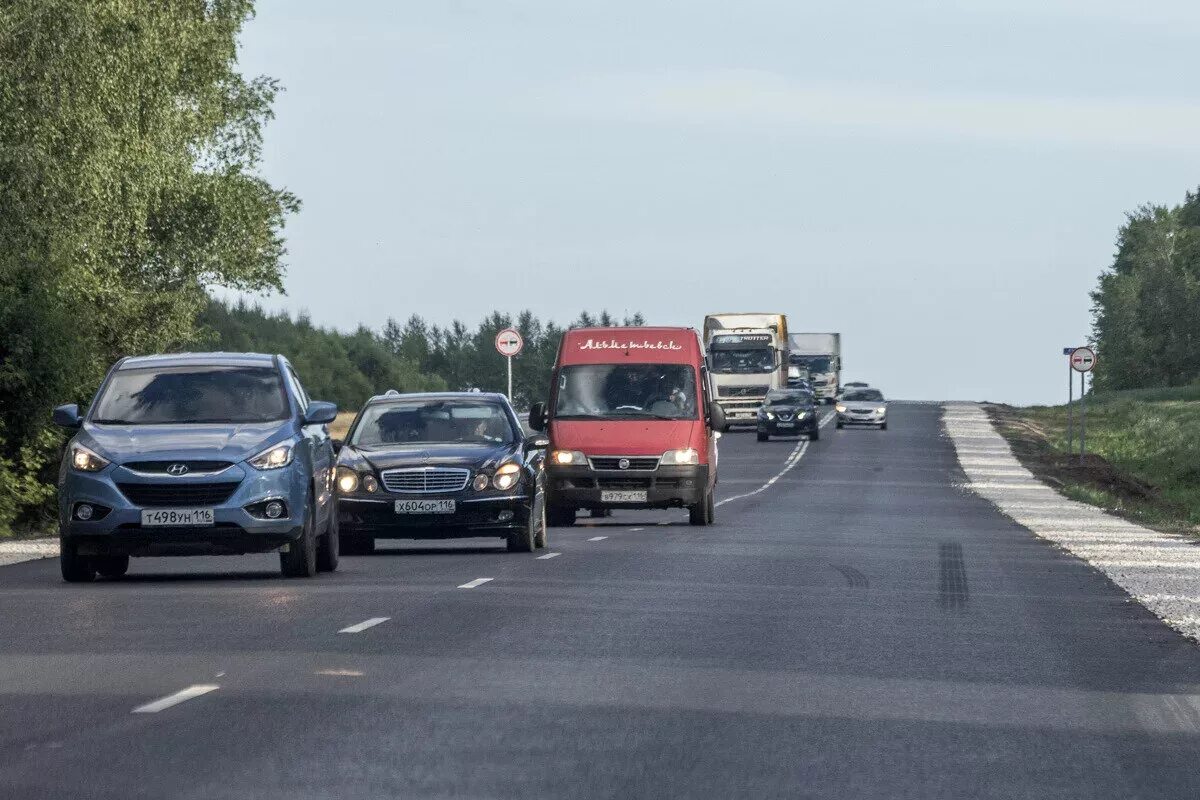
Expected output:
(300, 561)
(75, 568)
(560, 516)
(704, 512)
(111, 566)
(330, 547)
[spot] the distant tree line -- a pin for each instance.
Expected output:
(347, 368)
(1147, 304)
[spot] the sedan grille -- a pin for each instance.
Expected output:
(426, 480)
(785, 416)
(177, 494)
(634, 463)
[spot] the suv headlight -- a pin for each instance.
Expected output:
(506, 477)
(687, 455)
(85, 460)
(565, 458)
(278, 456)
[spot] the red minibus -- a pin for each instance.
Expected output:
(632, 423)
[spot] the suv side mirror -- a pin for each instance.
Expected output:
(537, 417)
(320, 413)
(537, 441)
(67, 416)
(716, 416)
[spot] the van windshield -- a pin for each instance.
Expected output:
(626, 391)
(228, 395)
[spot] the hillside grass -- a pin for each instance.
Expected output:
(339, 427)
(1143, 448)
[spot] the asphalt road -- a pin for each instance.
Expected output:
(863, 627)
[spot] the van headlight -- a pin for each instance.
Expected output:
(85, 460)
(565, 458)
(278, 456)
(687, 455)
(506, 477)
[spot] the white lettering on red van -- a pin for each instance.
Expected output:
(645, 344)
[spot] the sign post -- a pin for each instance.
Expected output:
(508, 344)
(1067, 351)
(1083, 361)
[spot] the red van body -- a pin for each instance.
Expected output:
(631, 423)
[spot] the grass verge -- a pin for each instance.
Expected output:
(1143, 458)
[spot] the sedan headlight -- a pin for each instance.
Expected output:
(568, 457)
(801, 414)
(841, 409)
(347, 480)
(278, 456)
(506, 477)
(687, 455)
(881, 409)
(85, 460)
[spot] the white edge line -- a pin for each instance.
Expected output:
(175, 699)
(548, 556)
(474, 583)
(362, 626)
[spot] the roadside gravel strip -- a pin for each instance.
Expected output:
(27, 550)
(1160, 571)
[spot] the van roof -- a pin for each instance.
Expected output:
(647, 345)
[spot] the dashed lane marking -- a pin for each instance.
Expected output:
(597, 538)
(474, 583)
(548, 556)
(181, 696)
(362, 626)
(789, 463)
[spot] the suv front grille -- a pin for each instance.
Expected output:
(636, 463)
(425, 480)
(177, 494)
(161, 467)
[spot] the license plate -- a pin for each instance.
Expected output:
(177, 517)
(622, 497)
(425, 506)
(785, 424)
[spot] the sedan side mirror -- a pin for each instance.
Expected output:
(337, 445)
(67, 416)
(537, 417)
(537, 441)
(320, 413)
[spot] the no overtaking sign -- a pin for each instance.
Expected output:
(509, 342)
(1083, 359)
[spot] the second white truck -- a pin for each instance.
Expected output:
(821, 355)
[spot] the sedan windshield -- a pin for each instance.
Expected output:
(195, 394)
(864, 395)
(433, 421)
(743, 362)
(617, 391)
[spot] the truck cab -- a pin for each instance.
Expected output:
(747, 355)
(631, 424)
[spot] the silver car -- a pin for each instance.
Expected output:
(862, 407)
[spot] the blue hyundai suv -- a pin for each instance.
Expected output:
(197, 454)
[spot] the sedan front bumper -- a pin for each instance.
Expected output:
(473, 516)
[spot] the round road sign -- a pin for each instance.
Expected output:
(1083, 359)
(509, 342)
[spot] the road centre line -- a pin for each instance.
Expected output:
(474, 583)
(362, 626)
(175, 699)
(597, 538)
(788, 464)
(548, 556)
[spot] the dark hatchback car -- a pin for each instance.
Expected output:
(788, 412)
(440, 466)
(197, 454)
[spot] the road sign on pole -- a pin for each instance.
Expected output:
(1067, 351)
(1083, 361)
(508, 344)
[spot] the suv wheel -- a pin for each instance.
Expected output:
(111, 566)
(75, 568)
(300, 561)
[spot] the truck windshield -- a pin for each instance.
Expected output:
(624, 391)
(432, 421)
(812, 363)
(228, 395)
(750, 361)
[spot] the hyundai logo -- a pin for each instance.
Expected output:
(623, 463)
(177, 470)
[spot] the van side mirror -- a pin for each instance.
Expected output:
(716, 416)
(320, 413)
(537, 417)
(67, 416)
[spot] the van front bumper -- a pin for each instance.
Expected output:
(665, 487)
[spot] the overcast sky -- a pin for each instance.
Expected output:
(941, 182)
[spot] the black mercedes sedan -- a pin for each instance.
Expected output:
(788, 412)
(440, 466)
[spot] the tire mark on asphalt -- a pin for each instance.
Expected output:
(952, 576)
(854, 578)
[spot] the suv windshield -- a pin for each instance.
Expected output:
(865, 395)
(777, 398)
(432, 421)
(743, 362)
(616, 391)
(192, 394)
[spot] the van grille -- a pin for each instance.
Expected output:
(636, 463)
(425, 480)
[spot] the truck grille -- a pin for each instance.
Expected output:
(742, 391)
(177, 494)
(425, 480)
(636, 463)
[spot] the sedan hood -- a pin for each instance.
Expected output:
(864, 405)
(469, 455)
(622, 437)
(154, 442)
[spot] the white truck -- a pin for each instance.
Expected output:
(747, 357)
(821, 355)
